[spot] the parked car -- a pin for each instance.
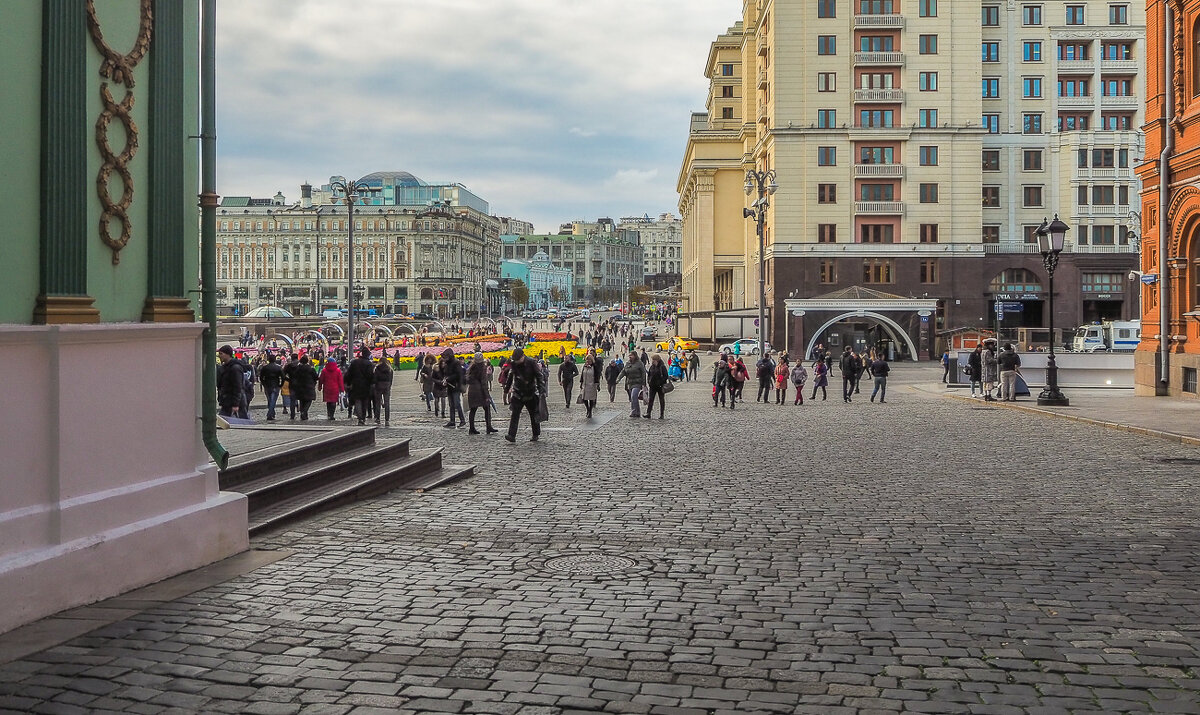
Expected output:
(677, 343)
(649, 332)
(749, 346)
(333, 314)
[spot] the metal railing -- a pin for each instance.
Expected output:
(878, 58)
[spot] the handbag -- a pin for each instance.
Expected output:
(668, 387)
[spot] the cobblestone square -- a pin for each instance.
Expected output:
(924, 555)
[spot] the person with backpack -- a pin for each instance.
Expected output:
(799, 376)
(524, 384)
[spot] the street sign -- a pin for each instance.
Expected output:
(1149, 278)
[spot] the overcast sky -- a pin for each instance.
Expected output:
(550, 110)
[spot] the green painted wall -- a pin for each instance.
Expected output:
(191, 114)
(20, 86)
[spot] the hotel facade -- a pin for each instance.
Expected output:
(917, 147)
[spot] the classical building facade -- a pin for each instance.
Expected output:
(604, 265)
(910, 163)
(418, 248)
(1168, 358)
(549, 285)
(661, 240)
(107, 485)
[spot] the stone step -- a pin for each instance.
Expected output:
(417, 468)
(277, 458)
(284, 484)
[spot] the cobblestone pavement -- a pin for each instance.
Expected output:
(925, 555)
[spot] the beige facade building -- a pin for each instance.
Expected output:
(885, 127)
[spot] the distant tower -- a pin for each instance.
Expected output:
(306, 195)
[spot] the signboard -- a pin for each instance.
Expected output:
(1018, 296)
(1149, 278)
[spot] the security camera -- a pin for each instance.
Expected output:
(1133, 275)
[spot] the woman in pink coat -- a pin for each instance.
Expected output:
(332, 385)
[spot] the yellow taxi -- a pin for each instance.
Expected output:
(678, 342)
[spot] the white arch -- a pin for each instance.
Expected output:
(912, 347)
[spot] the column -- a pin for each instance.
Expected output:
(166, 297)
(64, 189)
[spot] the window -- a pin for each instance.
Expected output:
(1123, 158)
(991, 197)
(1073, 87)
(1074, 14)
(929, 270)
(1072, 51)
(876, 80)
(1029, 232)
(827, 193)
(1015, 280)
(990, 234)
(1032, 160)
(876, 155)
(928, 81)
(726, 112)
(1116, 51)
(929, 233)
(826, 8)
(826, 156)
(1189, 374)
(991, 16)
(876, 233)
(1081, 235)
(727, 70)
(927, 44)
(1102, 196)
(1082, 196)
(927, 117)
(878, 270)
(1123, 195)
(927, 8)
(1072, 122)
(1118, 14)
(1032, 52)
(826, 118)
(727, 91)
(826, 81)
(929, 193)
(874, 7)
(827, 233)
(1116, 122)
(991, 160)
(827, 44)
(928, 156)
(1102, 158)
(991, 51)
(1032, 87)
(1102, 283)
(1104, 235)
(1031, 15)
(1032, 124)
(876, 118)
(991, 122)
(877, 192)
(1031, 196)
(828, 271)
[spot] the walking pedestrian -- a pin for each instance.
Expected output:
(740, 375)
(1008, 362)
(634, 373)
(523, 385)
(656, 378)
(230, 379)
(589, 382)
(799, 376)
(477, 393)
(566, 377)
(332, 384)
(946, 366)
(849, 367)
(452, 378)
(879, 370)
(359, 379)
(612, 374)
(975, 369)
(766, 376)
(820, 379)
(425, 369)
(721, 380)
(991, 371)
(271, 379)
(781, 380)
(381, 393)
(304, 386)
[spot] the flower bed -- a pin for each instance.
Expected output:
(548, 337)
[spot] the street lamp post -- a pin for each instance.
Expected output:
(1050, 237)
(349, 190)
(764, 182)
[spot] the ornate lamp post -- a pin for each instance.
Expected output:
(764, 181)
(349, 191)
(1050, 237)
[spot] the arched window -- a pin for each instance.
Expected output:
(426, 294)
(1015, 280)
(1194, 268)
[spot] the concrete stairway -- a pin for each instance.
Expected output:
(298, 479)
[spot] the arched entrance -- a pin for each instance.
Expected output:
(896, 335)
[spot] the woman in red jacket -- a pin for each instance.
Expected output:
(332, 385)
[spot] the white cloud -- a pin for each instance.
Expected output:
(496, 94)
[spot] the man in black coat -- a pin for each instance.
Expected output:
(849, 365)
(612, 374)
(270, 376)
(766, 377)
(304, 386)
(525, 380)
(566, 377)
(289, 369)
(230, 381)
(360, 377)
(382, 391)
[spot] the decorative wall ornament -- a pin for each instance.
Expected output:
(118, 68)
(1178, 66)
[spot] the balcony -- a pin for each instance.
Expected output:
(1076, 66)
(1086, 102)
(879, 171)
(763, 116)
(1107, 248)
(1085, 174)
(878, 21)
(879, 95)
(879, 58)
(762, 46)
(1010, 247)
(1121, 102)
(762, 78)
(1130, 66)
(879, 208)
(1107, 210)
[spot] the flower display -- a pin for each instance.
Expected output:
(547, 337)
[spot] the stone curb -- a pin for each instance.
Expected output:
(1160, 434)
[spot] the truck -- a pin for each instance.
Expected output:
(1108, 336)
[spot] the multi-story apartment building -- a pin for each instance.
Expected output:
(662, 247)
(418, 247)
(549, 285)
(911, 176)
(604, 266)
(1168, 358)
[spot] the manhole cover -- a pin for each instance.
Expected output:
(590, 564)
(1177, 460)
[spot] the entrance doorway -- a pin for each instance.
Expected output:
(864, 333)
